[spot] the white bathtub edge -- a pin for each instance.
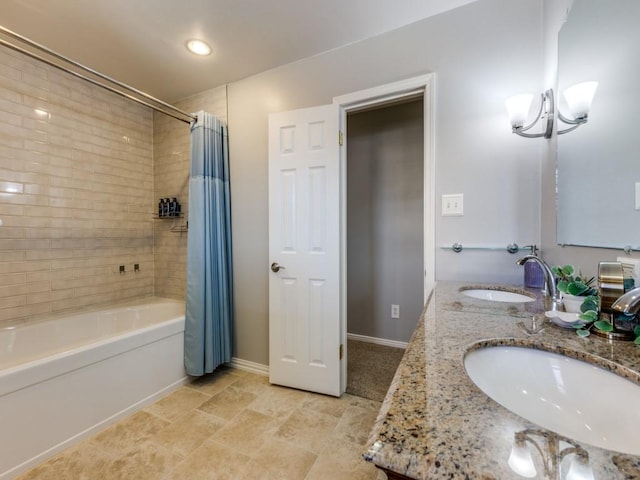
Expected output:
(38, 459)
(14, 379)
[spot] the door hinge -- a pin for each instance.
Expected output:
(341, 351)
(340, 138)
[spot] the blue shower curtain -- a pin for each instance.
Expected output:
(209, 304)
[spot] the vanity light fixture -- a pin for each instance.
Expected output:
(198, 47)
(579, 98)
(552, 449)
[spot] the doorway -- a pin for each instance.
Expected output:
(308, 232)
(422, 91)
(385, 237)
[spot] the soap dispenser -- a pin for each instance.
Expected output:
(533, 274)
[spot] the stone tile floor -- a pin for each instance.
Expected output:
(228, 425)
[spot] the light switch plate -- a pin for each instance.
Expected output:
(637, 195)
(452, 205)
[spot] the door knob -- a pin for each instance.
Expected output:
(275, 268)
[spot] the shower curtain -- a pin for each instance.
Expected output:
(209, 300)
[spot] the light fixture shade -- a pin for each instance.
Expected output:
(579, 98)
(580, 470)
(518, 108)
(520, 460)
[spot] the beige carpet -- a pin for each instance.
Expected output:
(370, 369)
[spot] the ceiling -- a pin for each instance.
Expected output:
(142, 42)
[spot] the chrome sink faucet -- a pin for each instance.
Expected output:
(549, 278)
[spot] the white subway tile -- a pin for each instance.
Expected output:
(13, 278)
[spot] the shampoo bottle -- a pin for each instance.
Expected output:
(533, 275)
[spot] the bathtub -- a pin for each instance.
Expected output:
(64, 379)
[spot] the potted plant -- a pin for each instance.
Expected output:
(575, 287)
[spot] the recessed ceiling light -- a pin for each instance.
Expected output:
(198, 47)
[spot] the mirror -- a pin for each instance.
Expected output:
(598, 168)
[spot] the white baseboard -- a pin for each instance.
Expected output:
(248, 366)
(377, 341)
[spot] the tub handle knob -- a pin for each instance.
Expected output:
(275, 268)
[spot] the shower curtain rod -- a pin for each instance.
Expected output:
(168, 109)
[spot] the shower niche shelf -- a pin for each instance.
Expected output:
(183, 227)
(167, 217)
(171, 210)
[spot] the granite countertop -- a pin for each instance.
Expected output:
(436, 423)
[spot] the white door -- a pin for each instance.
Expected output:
(304, 249)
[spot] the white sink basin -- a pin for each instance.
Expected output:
(497, 295)
(572, 398)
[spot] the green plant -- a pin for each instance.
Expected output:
(573, 284)
(589, 315)
(576, 284)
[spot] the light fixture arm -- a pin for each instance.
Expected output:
(575, 122)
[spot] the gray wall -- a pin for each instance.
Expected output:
(482, 53)
(385, 220)
(585, 257)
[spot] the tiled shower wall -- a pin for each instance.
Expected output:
(171, 143)
(76, 193)
(77, 175)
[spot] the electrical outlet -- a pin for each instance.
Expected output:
(395, 311)
(452, 205)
